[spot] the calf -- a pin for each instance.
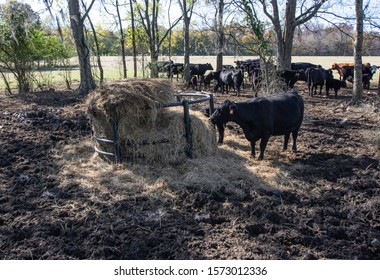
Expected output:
(262, 117)
(334, 84)
(193, 83)
(237, 77)
(199, 70)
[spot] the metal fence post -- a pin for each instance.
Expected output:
(115, 129)
(211, 104)
(188, 129)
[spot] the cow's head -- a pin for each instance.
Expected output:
(335, 66)
(209, 66)
(301, 75)
(224, 114)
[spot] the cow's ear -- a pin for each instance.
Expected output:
(232, 108)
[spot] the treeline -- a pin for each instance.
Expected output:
(307, 42)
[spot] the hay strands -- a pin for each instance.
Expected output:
(199, 97)
(117, 153)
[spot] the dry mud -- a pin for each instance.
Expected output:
(61, 201)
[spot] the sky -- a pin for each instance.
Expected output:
(99, 17)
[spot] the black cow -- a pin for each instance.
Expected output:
(292, 76)
(237, 77)
(199, 70)
(366, 80)
(193, 82)
(162, 66)
(248, 66)
(302, 66)
(334, 84)
(225, 80)
(262, 117)
(175, 69)
(347, 72)
(367, 74)
(317, 77)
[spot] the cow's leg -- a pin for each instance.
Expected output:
(294, 136)
(253, 152)
(221, 133)
(286, 141)
(263, 145)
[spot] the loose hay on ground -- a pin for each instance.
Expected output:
(146, 130)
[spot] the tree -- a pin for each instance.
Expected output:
(23, 44)
(87, 82)
(187, 11)
(97, 47)
(148, 12)
(357, 91)
(121, 31)
(284, 20)
(134, 47)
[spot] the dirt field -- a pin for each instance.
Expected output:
(59, 200)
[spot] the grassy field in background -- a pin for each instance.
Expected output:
(112, 66)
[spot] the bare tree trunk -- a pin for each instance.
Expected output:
(87, 82)
(122, 41)
(101, 71)
(149, 19)
(357, 92)
(284, 24)
(187, 12)
(220, 35)
(133, 40)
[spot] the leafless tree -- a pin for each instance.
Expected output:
(357, 92)
(87, 82)
(149, 15)
(96, 51)
(134, 47)
(284, 19)
(119, 23)
(187, 11)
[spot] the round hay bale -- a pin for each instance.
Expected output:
(146, 130)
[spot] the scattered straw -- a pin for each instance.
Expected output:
(146, 130)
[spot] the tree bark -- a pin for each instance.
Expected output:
(101, 71)
(133, 40)
(284, 26)
(87, 82)
(149, 19)
(187, 12)
(122, 41)
(220, 35)
(357, 92)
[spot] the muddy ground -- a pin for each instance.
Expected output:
(322, 203)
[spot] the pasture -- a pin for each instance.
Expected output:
(60, 200)
(113, 67)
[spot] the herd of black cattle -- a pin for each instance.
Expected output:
(263, 117)
(250, 72)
